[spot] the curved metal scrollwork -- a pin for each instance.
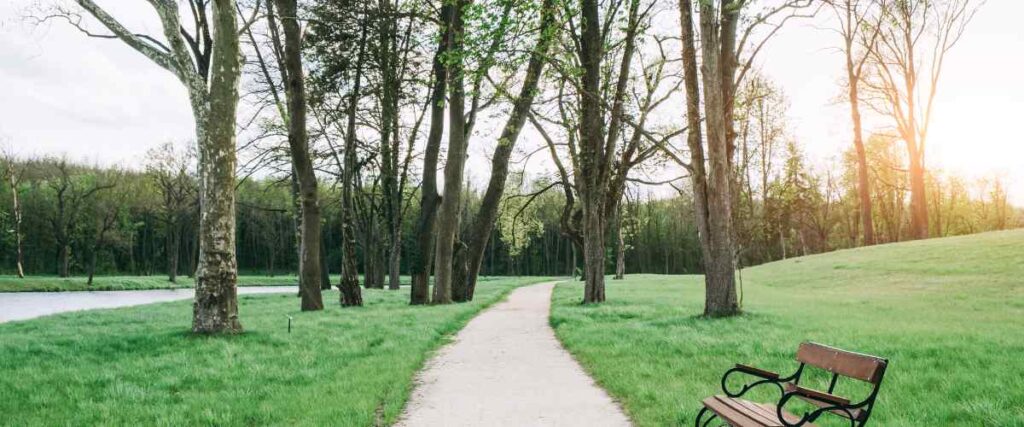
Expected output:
(810, 417)
(778, 382)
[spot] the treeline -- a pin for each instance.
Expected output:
(80, 219)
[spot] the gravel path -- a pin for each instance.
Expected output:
(28, 305)
(506, 368)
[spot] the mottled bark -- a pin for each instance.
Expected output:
(449, 212)
(215, 309)
(298, 144)
(468, 260)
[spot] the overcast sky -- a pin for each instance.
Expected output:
(98, 101)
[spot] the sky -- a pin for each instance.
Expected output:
(98, 101)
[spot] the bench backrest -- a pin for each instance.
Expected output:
(845, 363)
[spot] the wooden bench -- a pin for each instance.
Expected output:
(840, 363)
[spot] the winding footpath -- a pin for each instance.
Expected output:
(28, 305)
(506, 368)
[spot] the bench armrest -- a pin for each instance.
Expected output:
(769, 375)
(818, 395)
(761, 377)
(826, 402)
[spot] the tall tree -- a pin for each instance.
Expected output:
(721, 71)
(207, 61)
(298, 144)
(171, 171)
(71, 193)
(913, 37)
(13, 175)
(451, 201)
(469, 259)
(853, 17)
(351, 295)
(423, 254)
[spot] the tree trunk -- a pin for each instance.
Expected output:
(620, 247)
(711, 186)
(395, 256)
(174, 243)
(918, 201)
(65, 260)
(325, 274)
(592, 177)
(388, 57)
(863, 184)
(593, 252)
(423, 254)
(482, 226)
(215, 309)
(449, 212)
(298, 143)
(351, 295)
(92, 266)
(19, 259)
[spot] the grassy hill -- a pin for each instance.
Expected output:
(948, 313)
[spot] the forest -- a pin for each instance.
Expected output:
(145, 222)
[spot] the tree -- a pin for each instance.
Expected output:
(13, 174)
(451, 204)
(913, 36)
(207, 61)
(351, 296)
(724, 64)
(712, 192)
(72, 191)
(298, 144)
(171, 171)
(853, 17)
(423, 254)
(106, 210)
(469, 259)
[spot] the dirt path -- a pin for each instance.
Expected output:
(28, 305)
(506, 368)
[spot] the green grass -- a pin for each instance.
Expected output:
(139, 366)
(948, 313)
(11, 283)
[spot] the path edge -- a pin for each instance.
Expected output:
(586, 370)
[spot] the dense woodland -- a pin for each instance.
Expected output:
(623, 136)
(143, 222)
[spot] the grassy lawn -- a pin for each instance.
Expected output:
(10, 283)
(138, 366)
(948, 313)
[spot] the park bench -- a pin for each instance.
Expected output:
(840, 363)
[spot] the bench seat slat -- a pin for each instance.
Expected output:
(744, 413)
